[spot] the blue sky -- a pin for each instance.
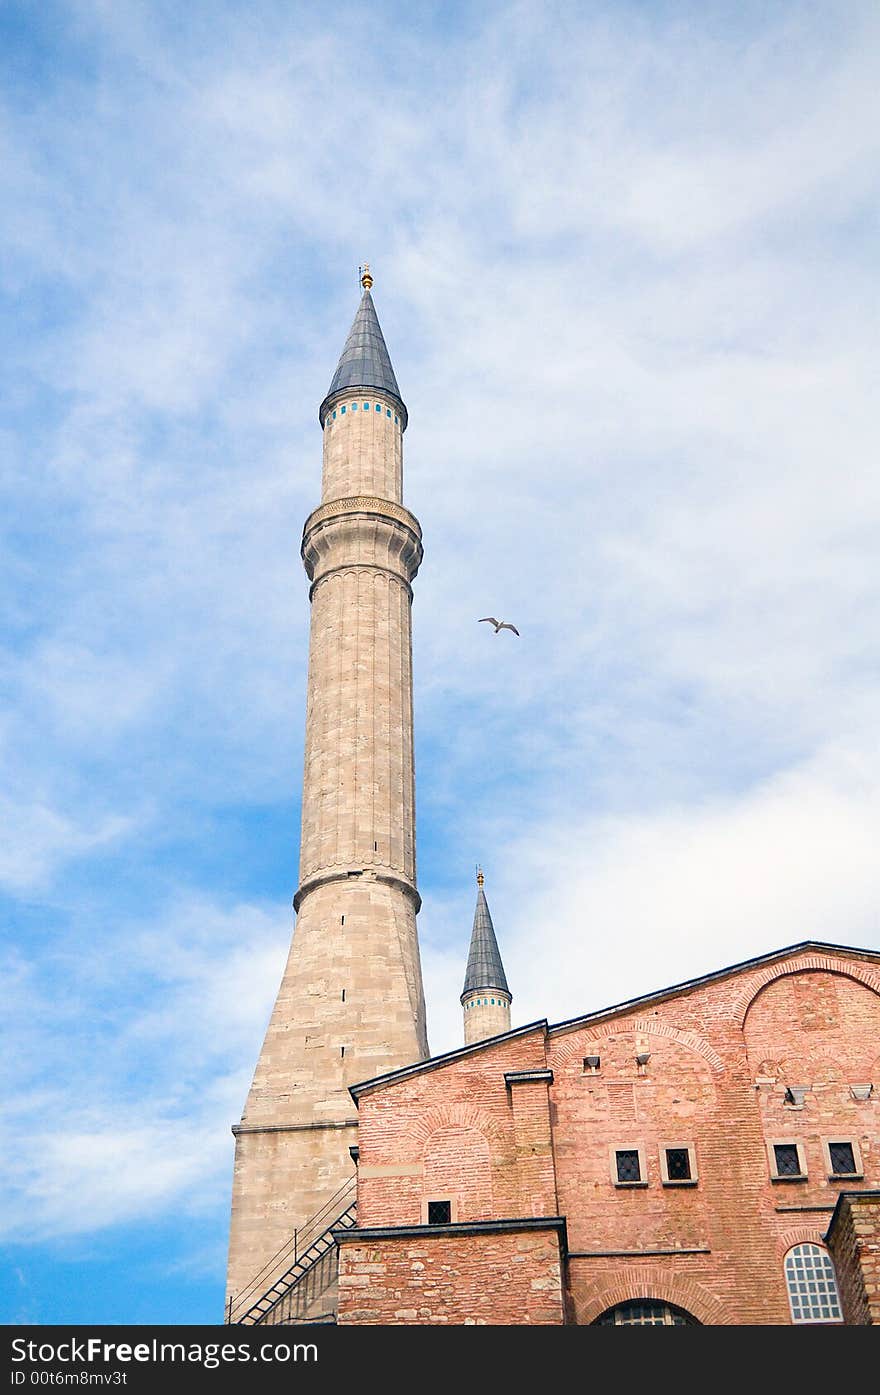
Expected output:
(625, 261)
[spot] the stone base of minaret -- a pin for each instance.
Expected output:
(350, 1007)
(282, 1178)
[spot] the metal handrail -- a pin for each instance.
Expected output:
(307, 1266)
(298, 1243)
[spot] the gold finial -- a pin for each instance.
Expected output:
(366, 278)
(479, 876)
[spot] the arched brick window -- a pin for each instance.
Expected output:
(811, 1284)
(646, 1312)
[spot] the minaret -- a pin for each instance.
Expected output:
(486, 998)
(351, 1004)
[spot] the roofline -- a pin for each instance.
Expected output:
(659, 994)
(435, 1061)
(843, 1197)
(514, 1224)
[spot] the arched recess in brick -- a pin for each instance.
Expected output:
(653, 1283)
(814, 1027)
(822, 962)
(563, 1051)
(801, 1235)
(454, 1115)
(458, 1165)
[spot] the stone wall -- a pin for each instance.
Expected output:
(434, 1277)
(854, 1242)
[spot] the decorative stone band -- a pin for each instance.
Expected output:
(361, 503)
(361, 532)
(354, 567)
(295, 1128)
(373, 874)
(504, 999)
(618, 1254)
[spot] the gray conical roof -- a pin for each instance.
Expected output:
(364, 362)
(484, 966)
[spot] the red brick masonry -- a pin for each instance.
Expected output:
(780, 1051)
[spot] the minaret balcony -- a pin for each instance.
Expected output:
(361, 532)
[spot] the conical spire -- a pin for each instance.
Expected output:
(364, 361)
(484, 966)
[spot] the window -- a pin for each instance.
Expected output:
(787, 1162)
(354, 406)
(646, 1312)
(678, 1165)
(378, 408)
(439, 1212)
(334, 416)
(366, 406)
(812, 1287)
(628, 1167)
(388, 411)
(342, 410)
(842, 1157)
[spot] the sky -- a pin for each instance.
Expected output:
(625, 261)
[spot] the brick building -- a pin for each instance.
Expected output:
(678, 1158)
(709, 1153)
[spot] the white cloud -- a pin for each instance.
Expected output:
(591, 909)
(39, 840)
(132, 1052)
(625, 266)
(692, 889)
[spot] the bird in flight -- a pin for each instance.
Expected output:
(499, 624)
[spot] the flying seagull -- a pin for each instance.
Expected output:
(499, 624)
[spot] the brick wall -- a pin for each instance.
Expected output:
(453, 1132)
(719, 1057)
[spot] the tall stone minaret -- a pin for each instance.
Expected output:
(351, 1004)
(486, 998)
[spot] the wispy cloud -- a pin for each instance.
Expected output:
(626, 269)
(132, 1050)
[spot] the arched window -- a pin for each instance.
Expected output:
(646, 1312)
(812, 1287)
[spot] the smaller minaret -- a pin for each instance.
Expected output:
(486, 998)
